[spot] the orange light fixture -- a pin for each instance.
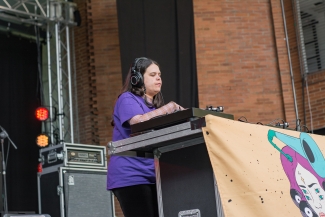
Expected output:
(42, 140)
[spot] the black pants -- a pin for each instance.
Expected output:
(138, 200)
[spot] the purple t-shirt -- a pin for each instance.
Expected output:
(122, 170)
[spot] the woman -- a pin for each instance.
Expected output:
(132, 179)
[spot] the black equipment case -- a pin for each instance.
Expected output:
(186, 186)
(72, 182)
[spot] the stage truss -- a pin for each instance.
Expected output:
(57, 18)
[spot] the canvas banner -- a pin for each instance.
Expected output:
(266, 171)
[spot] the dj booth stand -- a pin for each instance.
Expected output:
(185, 181)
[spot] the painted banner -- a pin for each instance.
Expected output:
(266, 171)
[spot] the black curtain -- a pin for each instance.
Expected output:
(19, 99)
(164, 31)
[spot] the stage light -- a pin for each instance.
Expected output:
(42, 140)
(42, 113)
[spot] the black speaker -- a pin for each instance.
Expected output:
(74, 192)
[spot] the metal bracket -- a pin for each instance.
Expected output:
(217, 109)
(157, 153)
(193, 212)
(111, 148)
(41, 159)
(61, 155)
(59, 190)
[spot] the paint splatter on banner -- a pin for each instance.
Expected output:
(266, 171)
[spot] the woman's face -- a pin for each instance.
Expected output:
(152, 80)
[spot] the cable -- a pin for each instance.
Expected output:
(306, 128)
(284, 125)
(39, 68)
(240, 119)
(40, 83)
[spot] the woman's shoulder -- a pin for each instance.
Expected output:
(129, 96)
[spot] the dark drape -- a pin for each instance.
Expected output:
(164, 31)
(18, 101)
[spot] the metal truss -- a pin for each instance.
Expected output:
(24, 11)
(37, 12)
(59, 80)
(57, 18)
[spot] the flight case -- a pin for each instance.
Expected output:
(72, 182)
(186, 186)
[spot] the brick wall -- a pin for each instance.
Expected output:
(237, 62)
(282, 55)
(315, 80)
(98, 67)
(242, 64)
(82, 78)
(316, 87)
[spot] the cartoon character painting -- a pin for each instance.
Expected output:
(304, 165)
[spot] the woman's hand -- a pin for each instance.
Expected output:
(169, 108)
(176, 106)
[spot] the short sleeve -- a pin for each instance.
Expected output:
(128, 107)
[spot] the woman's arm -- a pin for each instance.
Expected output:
(166, 109)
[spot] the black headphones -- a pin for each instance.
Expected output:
(136, 76)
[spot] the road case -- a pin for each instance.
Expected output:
(74, 155)
(74, 192)
(185, 182)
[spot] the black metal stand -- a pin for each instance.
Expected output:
(5, 204)
(4, 135)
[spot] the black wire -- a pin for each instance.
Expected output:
(40, 83)
(306, 128)
(239, 119)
